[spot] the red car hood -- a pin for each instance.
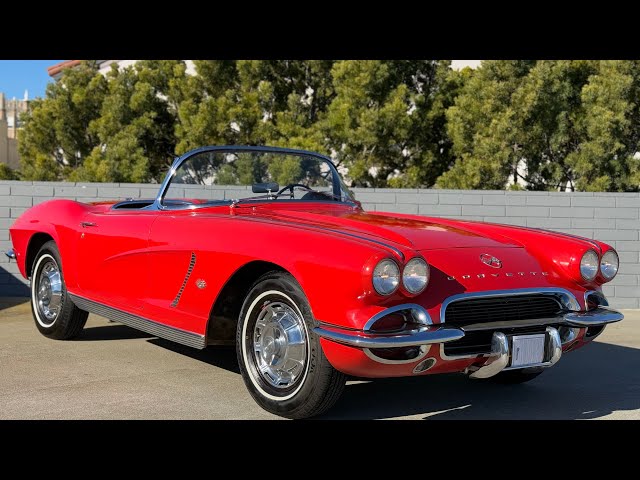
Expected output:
(419, 233)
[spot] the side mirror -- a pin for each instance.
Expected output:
(268, 187)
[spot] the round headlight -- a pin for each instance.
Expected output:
(609, 264)
(386, 277)
(589, 265)
(415, 275)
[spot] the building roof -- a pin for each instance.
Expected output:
(58, 67)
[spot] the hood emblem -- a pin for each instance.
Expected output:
(490, 260)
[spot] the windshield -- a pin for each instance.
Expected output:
(219, 176)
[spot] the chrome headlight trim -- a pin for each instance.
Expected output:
(609, 264)
(589, 265)
(386, 277)
(415, 276)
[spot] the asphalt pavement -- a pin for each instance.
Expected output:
(114, 372)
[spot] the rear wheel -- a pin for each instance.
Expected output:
(280, 358)
(53, 311)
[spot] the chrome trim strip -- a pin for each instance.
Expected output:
(11, 253)
(377, 242)
(192, 263)
(424, 349)
(412, 338)
(531, 322)
(139, 323)
(570, 300)
(423, 316)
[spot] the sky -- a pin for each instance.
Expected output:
(16, 76)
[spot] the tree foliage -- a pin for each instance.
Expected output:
(538, 125)
(547, 125)
(7, 173)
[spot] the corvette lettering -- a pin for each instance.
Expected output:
(496, 275)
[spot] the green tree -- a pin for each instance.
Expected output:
(546, 125)
(7, 173)
(386, 123)
(58, 130)
(136, 127)
(275, 102)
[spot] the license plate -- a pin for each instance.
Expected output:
(527, 350)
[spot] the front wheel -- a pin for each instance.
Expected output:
(280, 358)
(55, 314)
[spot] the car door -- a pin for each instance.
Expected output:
(181, 287)
(113, 257)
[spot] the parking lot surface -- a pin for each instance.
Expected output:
(114, 372)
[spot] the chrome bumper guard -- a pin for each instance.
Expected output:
(429, 334)
(498, 360)
(11, 254)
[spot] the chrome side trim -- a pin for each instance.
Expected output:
(569, 300)
(11, 253)
(412, 338)
(424, 349)
(139, 323)
(192, 263)
(422, 316)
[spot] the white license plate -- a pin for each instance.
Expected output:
(527, 350)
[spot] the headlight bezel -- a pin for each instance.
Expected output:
(409, 264)
(583, 265)
(617, 264)
(389, 262)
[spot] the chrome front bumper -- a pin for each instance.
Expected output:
(429, 334)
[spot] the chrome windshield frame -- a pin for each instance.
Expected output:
(164, 186)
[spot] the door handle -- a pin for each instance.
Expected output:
(88, 224)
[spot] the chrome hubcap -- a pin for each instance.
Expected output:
(49, 292)
(280, 345)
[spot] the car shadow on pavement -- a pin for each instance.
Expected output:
(8, 302)
(113, 331)
(589, 383)
(219, 356)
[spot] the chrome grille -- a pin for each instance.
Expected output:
(501, 309)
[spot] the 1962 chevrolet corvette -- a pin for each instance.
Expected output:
(286, 265)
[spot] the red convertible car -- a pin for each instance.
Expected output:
(267, 249)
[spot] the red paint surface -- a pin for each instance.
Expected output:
(136, 260)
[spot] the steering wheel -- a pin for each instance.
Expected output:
(291, 186)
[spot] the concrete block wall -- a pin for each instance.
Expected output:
(610, 217)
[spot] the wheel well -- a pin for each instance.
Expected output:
(223, 319)
(35, 243)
